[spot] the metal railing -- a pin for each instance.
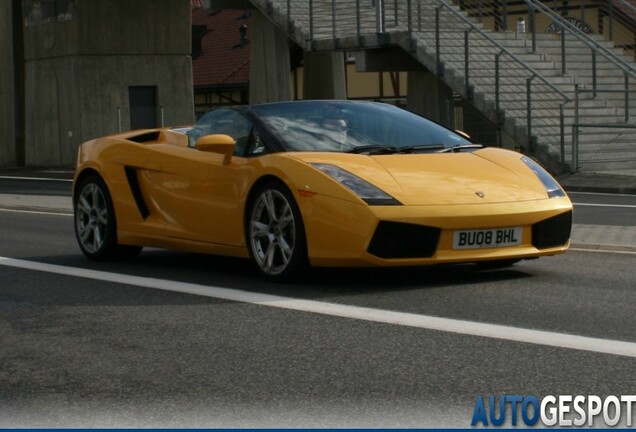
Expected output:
(463, 53)
(501, 51)
(577, 125)
(594, 45)
(336, 19)
(558, 23)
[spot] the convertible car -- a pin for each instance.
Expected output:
(316, 183)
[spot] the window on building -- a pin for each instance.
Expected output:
(47, 11)
(143, 107)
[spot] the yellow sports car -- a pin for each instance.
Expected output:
(321, 183)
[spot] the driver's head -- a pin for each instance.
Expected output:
(336, 129)
(335, 124)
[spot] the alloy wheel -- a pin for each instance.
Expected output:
(272, 232)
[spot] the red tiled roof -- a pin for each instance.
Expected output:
(221, 62)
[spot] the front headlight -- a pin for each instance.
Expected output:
(551, 186)
(365, 190)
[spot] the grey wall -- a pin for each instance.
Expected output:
(7, 138)
(78, 69)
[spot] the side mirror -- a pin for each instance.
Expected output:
(217, 143)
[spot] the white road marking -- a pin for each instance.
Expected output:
(514, 334)
(34, 178)
(603, 205)
(10, 210)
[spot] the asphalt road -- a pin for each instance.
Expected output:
(172, 339)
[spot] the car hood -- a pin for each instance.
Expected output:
(483, 176)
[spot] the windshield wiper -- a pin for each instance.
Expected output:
(460, 147)
(374, 149)
(421, 147)
(386, 149)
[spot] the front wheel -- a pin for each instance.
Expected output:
(95, 224)
(275, 233)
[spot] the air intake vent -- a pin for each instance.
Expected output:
(144, 138)
(552, 232)
(402, 240)
(133, 182)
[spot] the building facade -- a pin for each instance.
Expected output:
(95, 67)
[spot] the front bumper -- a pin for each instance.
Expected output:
(341, 233)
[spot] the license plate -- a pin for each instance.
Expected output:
(490, 238)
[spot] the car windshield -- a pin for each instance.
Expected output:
(360, 127)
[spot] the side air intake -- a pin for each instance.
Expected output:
(133, 182)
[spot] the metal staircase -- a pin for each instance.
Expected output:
(564, 97)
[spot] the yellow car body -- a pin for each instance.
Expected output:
(166, 193)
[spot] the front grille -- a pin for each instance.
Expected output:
(403, 240)
(552, 232)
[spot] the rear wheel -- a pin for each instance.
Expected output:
(275, 233)
(95, 224)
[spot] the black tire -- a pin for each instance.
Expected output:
(95, 223)
(275, 233)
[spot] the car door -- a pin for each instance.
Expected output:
(198, 193)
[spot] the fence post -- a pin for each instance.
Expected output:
(533, 27)
(379, 16)
(611, 21)
(575, 131)
(563, 69)
(626, 97)
(438, 11)
(467, 63)
(395, 12)
(409, 19)
(497, 90)
(529, 112)
(333, 19)
(562, 130)
(505, 15)
(311, 22)
(358, 24)
(594, 73)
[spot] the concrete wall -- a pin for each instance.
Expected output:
(269, 62)
(429, 96)
(78, 98)
(7, 115)
(105, 27)
(79, 68)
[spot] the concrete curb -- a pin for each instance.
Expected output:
(603, 248)
(602, 189)
(598, 183)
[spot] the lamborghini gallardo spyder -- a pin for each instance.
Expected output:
(316, 183)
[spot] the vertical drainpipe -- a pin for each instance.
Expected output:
(18, 83)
